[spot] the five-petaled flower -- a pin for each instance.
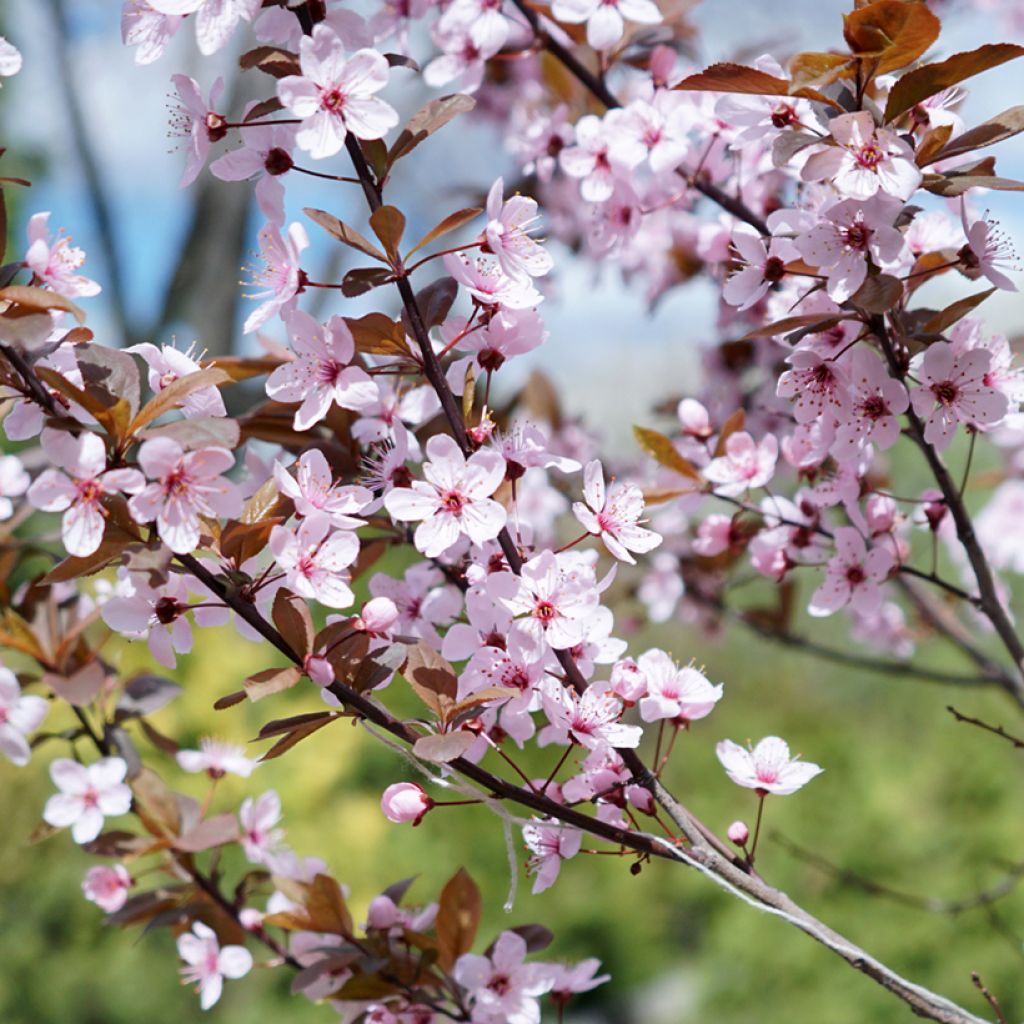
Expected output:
(209, 963)
(87, 795)
(614, 515)
(853, 575)
(766, 768)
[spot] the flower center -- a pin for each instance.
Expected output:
(945, 392)
(855, 575)
(774, 269)
(332, 100)
(869, 156)
(545, 611)
(453, 503)
(856, 236)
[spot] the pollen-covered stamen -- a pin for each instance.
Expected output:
(945, 392)
(856, 236)
(774, 269)
(176, 483)
(453, 502)
(874, 407)
(869, 156)
(545, 611)
(332, 100)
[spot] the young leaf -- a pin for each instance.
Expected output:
(734, 423)
(450, 223)
(271, 681)
(878, 294)
(377, 334)
(892, 33)
(171, 395)
(458, 918)
(272, 60)
(388, 225)
(364, 279)
(664, 452)
(945, 318)
(435, 115)
(816, 70)
(292, 618)
(313, 723)
(738, 78)
(917, 85)
(433, 679)
(343, 233)
(996, 129)
(39, 299)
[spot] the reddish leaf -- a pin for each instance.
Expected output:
(664, 452)
(271, 681)
(945, 319)
(175, 392)
(458, 918)
(343, 233)
(388, 224)
(878, 294)
(215, 831)
(738, 78)
(432, 677)
(996, 129)
(294, 622)
(892, 33)
(450, 223)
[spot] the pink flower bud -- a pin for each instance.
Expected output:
(379, 616)
(693, 417)
(934, 508)
(628, 681)
(405, 802)
(107, 887)
(738, 833)
(382, 912)
(481, 433)
(319, 669)
(250, 918)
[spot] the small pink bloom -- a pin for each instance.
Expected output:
(281, 273)
(197, 122)
(404, 803)
(314, 560)
(148, 29)
(14, 482)
(590, 719)
(107, 887)
(682, 695)
(818, 386)
(260, 840)
(20, 714)
(167, 364)
(870, 414)
(215, 19)
(334, 94)
(78, 492)
(614, 515)
(55, 263)
(767, 768)
(549, 845)
(87, 795)
(185, 486)
(379, 615)
(454, 500)
(594, 159)
(502, 987)
(765, 266)
(507, 235)
(746, 464)
(319, 669)
(988, 251)
(216, 759)
(738, 833)
(10, 59)
(209, 963)
(606, 18)
(488, 285)
(313, 491)
(581, 977)
(853, 575)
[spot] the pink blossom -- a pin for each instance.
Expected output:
(334, 94)
(148, 29)
(763, 118)
(555, 601)
(488, 285)
(265, 154)
(549, 844)
(765, 266)
(507, 235)
(20, 714)
(55, 262)
(281, 273)
(680, 694)
(422, 603)
(78, 492)
(260, 840)
(503, 337)
(590, 719)
(313, 491)
(378, 616)
(817, 385)
(988, 252)
(875, 400)
(320, 375)
(954, 389)
(606, 18)
(107, 887)
(167, 364)
(87, 795)
(502, 987)
(209, 963)
(865, 160)
(853, 575)
(746, 464)
(405, 802)
(184, 487)
(852, 233)
(10, 59)
(614, 515)
(659, 129)
(314, 559)
(767, 768)
(488, 28)
(454, 500)
(216, 759)
(581, 977)
(197, 122)
(215, 19)
(738, 833)
(462, 59)
(592, 159)
(14, 482)
(628, 681)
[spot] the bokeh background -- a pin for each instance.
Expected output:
(910, 800)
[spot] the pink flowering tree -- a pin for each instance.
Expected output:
(817, 194)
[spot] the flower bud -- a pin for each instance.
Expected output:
(319, 669)
(379, 616)
(250, 918)
(738, 833)
(405, 802)
(628, 681)
(382, 912)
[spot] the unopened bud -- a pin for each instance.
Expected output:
(319, 669)
(738, 833)
(405, 802)
(379, 615)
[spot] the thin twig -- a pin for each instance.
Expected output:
(996, 730)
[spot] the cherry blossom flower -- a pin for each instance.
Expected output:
(606, 18)
(738, 833)
(767, 768)
(314, 560)
(146, 28)
(314, 493)
(422, 603)
(405, 802)
(14, 482)
(659, 128)
(590, 719)
(488, 285)
(875, 400)
(681, 694)
(954, 389)
(988, 251)
(10, 59)
(78, 492)
(549, 843)
(765, 266)
(87, 795)
(260, 840)
(320, 376)
(198, 122)
(613, 515)
(507, 235)
(215, 19)
(763, 117)
(853, 575)
(281, 273)
(454, 500)
(746, 464)
(209, 963)
(107, 886)
(167, 364)
(20, 714)
(334, 94)
(216, 759)
(266, 155)
(502, 987)
(461, 59)
(866, 160)
(592, 159)
(55, 262)
(581, 977)
(503, 337)
(184, 487)
(556, 602)
(852, 233)
(488, 28)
